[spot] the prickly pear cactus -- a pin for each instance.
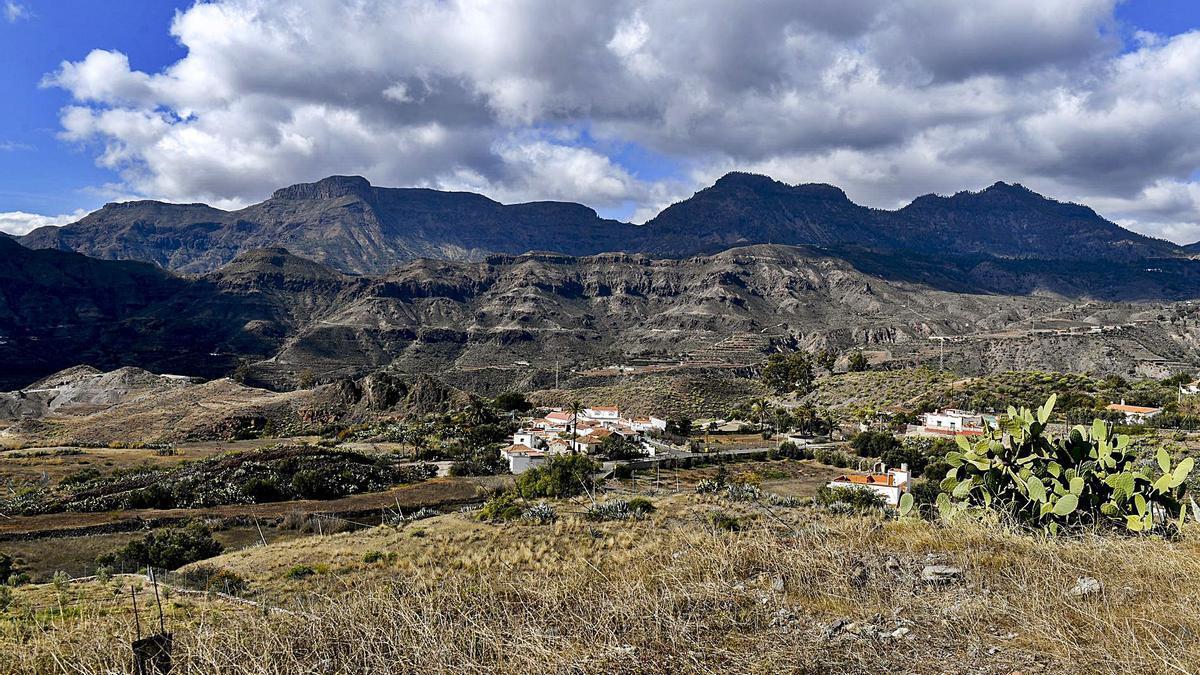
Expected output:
(1091, 476)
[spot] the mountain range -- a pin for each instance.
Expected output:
(352, 226)
(283, 315)
(340, 279)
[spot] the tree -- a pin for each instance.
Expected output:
(826, 358)
(786, 373)
(680, 426)
(306, 379)
(575, 408)
(873, 443)
(760, 407)
(616, 447)
(168, 549)
(562, 476)
(857, 362)
(512, 401)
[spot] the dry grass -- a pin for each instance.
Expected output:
(671, 595)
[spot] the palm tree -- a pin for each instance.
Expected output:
(759, 407)
(575, 408)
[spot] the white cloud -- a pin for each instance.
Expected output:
(19, 222)
(15, 11)
(887, 99)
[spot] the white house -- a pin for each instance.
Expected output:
(951, 422)
(889, 484)
(602, 413)
(531, 438)
(645, 424)
(1134, 414)
(522, 458)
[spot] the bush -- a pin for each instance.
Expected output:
(860, 500)
(372, 557)
(725, 521)
(501, 507)
(925, 492)
(562, 476)
(170, 548)
(215, 579)
(857, 362)
(482, 463)
(641, 505)
(1052, 483)
(873, 443)
(80, 477)
(7, 568)
(262, 490)
(300, 572)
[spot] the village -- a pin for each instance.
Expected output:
(643, 440)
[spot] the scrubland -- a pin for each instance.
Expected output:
(794, 589)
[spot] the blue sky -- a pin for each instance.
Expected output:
(43, 174)
(619, 106)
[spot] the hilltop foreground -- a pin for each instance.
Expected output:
(797, 589)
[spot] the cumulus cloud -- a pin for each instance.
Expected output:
(19, 222)
(534, 99)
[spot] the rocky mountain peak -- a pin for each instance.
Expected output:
(333, 187)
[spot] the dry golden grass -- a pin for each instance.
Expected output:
(669, 594)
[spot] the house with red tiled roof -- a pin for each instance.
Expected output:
(1134, 414)
(888, 483)
(522, 458)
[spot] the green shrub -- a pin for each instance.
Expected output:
(562, 476)
(215, 579)
(641, 505)
(262, 490)
(502, 507)
(300, 572)
(873, 443)
(167, 549)
(861, 500)
(80, 477)
(1053, 483)
(372, 557)
(725, 521)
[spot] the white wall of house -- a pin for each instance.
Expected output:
(522, 462)
(529, 438)
(953, 420)
(602, 414)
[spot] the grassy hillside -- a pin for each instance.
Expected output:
(838, 594)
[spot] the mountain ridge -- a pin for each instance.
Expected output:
(286, 314)
(353, 226)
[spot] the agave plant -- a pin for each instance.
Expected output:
(1052, 483)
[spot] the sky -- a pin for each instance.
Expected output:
(623, 105)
